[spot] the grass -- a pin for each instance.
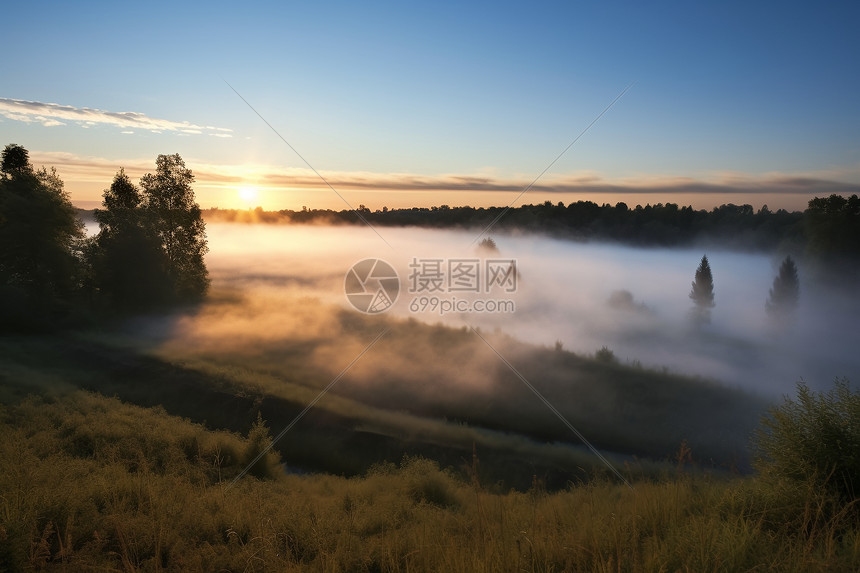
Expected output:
(91, 483)
(434, 381)
(143, 480)
(425, 390)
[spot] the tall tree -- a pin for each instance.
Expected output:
(176, 220)
(785, 293)
(40, 238)
(129, 267)
(702, 293)
(16, 161)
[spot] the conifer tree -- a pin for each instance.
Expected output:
(702, 293)
(785, 293)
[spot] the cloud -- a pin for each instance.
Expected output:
(50, 114)
(581, 183)
(782, 190)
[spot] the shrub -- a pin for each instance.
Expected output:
(428, 484)
(606, 355)
(259, 440)
(814, 438)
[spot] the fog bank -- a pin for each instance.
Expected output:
(585, 296)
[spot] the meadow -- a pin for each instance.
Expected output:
(92, 483)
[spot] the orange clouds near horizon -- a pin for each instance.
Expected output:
(294, 188)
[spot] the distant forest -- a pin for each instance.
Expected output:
(828, 229)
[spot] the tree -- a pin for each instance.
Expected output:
(702, 292)
(832, 225)
(40, 240)
(488, 245)
(129, 267)
(121, 202)
(785, 292)
(16, 160)
(176, 220)
(832, 229)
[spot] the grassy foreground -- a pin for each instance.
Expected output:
(90, 483)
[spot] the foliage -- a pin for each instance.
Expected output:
(150, 247)
(128, 263)
(785, 293)
(662, 224)
(702, 293)
(149, 250)
(832, 226)
(176, 220)
(260, 440)
(815, 439)
(121, 202)
(605, 354)
(40, 242)
(16, 161)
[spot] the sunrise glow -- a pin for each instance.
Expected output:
(249, 194)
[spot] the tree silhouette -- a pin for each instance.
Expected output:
(129, 267)
(702, 293)
(176, 220)
(488, 245)
(832, 229)
(785, 293)
(16, 160)
(40, 241)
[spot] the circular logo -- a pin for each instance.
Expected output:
(372, 286)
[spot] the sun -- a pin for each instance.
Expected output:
(248, 194)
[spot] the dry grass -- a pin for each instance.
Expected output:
(88, 483)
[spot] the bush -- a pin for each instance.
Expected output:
(259, 440)
(814, 439)
(428, 484)
(605, 355)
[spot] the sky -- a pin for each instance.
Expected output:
(420, 104)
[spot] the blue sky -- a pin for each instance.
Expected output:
(403, 103)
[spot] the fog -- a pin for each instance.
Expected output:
(280, 283)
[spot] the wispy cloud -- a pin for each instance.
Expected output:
(729, 186)
(52, 114)
(587, 182)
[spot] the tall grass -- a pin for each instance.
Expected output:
(91, 483)
(346, 435)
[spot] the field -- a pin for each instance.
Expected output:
(91, 483)
(144, 480)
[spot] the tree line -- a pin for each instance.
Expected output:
(148, 252)
(829, 229)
